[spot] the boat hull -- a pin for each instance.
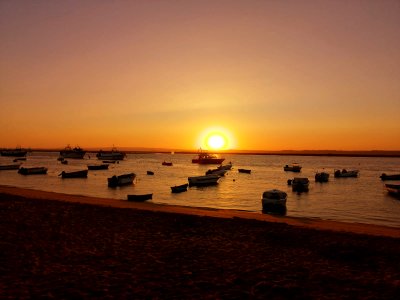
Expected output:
(322, 177)
(121, 180)
(203, 180)
(390, 177)
(32, 171)
(208, 161)
(76, 174)
(14, 153)
(140, 198)
(10, 167)
(98, 167)
(179, 188)
(393, 189)
(244, 171)
(344, 174)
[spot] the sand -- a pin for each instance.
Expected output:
(66, 247)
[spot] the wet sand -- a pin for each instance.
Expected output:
(73, 247)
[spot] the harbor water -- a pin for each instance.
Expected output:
(363, 199)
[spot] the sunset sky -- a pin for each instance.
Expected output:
(267, 75)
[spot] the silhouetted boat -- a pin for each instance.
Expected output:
(390, 177)
(219, 172)
(393, 189)
(10, 167)
(74, 174)
(300, 184)
(120, 180)
(114, 154)
(150, 173)
(203, 180)
(32, 171)
(64, 162)
(321, 177)
(293, 168)
(165, 163)
(226, 167)
(345, 173)
(110, 161)
(140, 198)
(98, 167)
(68, 152)
(19, 159)
(274, 200)
(17, 152)
(205, 158)
(244, 171)
(179, 188)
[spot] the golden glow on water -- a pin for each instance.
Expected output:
(216, 138)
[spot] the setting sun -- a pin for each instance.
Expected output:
(216, 141)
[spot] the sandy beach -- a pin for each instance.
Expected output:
(74, 247)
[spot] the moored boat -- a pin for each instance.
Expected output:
(393, 189)
(384, 176)
(140, 198)
(120, 180)
(149, 172)
(300, 184)
(345, 173)
(113, 154)
(322, 177)
(247, 171)
(166, 163)
(211, 179)
(98, 167)
(32, 171)
(219, 172)
(179, 188)
(274, 200)
(205, 158)
(17, 152)
(292, 168)
(74, 174)
(19, 159)
(10, 167)
(76, 153)
(227, 167)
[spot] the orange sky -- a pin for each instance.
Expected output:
(271, 74)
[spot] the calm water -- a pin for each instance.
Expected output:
(363, 199)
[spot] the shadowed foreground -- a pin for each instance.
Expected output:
(54, 249)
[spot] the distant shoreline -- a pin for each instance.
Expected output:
(327, 153)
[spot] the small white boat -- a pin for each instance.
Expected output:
(345, 173)
(300, 184)
(273, 199)
(211, 179)
(125, 179)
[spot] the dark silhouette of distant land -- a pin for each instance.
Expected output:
(355, 153)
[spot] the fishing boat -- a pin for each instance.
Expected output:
(292, 168)
(120, 180)
(321, 177)
(393, 189)
(273, 200)
(206, 180)
(247, 171)
(179, 188)
(166, 163)
(17, 152)
(227, 167)
(219, 172)
(300, 184)
(140, 198)
(205, 158)
(150, 173)
(74, 174)
(76, 153)
(345, 173)
(32, 171)
(110, 161)
(113, 154)
(10, 167)
(384, 176)
(98, 167)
